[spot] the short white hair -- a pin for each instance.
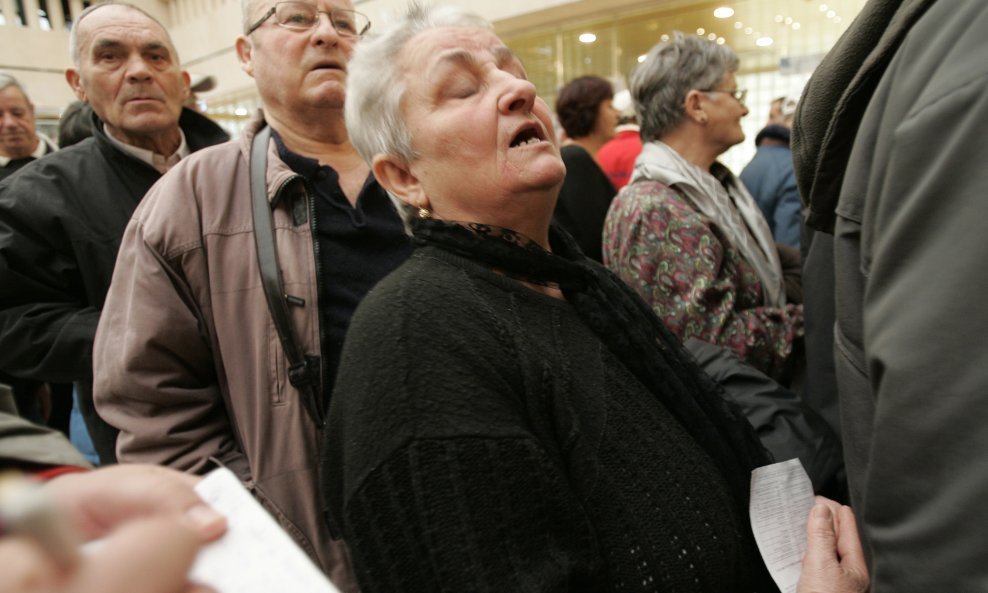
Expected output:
(375, 82)
(376, 85)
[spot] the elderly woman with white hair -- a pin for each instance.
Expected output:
(508, 416)
(685, 233)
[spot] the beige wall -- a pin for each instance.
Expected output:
(38, 59)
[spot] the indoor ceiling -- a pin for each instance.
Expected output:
(766, 34)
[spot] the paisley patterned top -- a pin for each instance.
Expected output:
(681, 263)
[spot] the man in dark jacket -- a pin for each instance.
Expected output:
(62, 217)
(891, 158)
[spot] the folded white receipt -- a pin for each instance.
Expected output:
(255, 555)
(781, 500)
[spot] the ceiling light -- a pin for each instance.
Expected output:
(724, 12)
(737, 24)
(778, 18)
(831, 14)
(665, 38)
(764, 41)
(748, 30)
(788, 20)
(701, 31)
(837, 20)
(795, 26)
(721, 41)
(712, 36)
(587, 37)
(823, 8)
(641, 58)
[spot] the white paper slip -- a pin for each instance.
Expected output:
(255, 555)
(781, 500)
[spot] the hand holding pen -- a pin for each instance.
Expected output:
(150, 519)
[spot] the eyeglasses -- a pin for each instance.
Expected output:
(302, 16)
(738, 94)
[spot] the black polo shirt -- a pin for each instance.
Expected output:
(355, 247)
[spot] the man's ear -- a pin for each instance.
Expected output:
(396, 176)
(75, 81)
(245, 53)
(186, 84)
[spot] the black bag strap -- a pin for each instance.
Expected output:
(303, 372)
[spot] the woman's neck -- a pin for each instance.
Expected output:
(590, 144)
(694, 150)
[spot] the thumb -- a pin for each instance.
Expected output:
(151, 555)
(821, 541)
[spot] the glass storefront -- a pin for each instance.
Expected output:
(779, 42)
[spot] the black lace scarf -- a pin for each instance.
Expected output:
(626, 325)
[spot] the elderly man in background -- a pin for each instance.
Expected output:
(189, 364)
(20, 142)
(61, 217)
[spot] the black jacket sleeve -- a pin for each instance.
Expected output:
(786, 426)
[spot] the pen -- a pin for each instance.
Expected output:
(26, 510)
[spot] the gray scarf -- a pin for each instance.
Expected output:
(728, 205)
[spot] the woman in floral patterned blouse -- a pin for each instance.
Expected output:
(685, 233)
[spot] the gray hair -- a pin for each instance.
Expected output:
(672, 68)
(245, 8)
(8, 81)
(375, 84)
(75, 50)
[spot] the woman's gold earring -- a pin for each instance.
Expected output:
(425, 213)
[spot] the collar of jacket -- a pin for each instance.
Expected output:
(836, 98)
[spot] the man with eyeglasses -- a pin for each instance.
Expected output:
(192, 365)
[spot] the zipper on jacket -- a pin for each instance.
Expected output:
(297, 214)
(310, 198)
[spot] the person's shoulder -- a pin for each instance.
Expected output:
(54, 175)
(572, 153)
(200, 131)
(417, 282)
(653, 203)
(206, 171)
(424, 289)
(64, 161)
(648, 193)
(211, 156)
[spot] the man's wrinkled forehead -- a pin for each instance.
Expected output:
(102, 28)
